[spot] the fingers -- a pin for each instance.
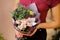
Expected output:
(31, 33)
(18, 34)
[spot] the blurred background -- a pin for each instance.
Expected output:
(6, 26)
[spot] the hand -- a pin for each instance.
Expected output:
(18, 34)
(31, 34)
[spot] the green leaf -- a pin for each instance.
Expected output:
(20, 8)
(1, 37)
(21, 16)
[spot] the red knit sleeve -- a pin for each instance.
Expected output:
(25, 2)
(54, 2)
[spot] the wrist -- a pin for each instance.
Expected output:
(38, 27)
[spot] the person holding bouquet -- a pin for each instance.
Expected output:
(43, 6)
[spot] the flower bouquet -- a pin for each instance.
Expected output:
(25, 19)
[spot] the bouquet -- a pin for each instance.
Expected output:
(25, 19)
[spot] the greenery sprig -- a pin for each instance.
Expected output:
(20, 12)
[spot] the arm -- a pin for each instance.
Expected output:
(55, 18)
